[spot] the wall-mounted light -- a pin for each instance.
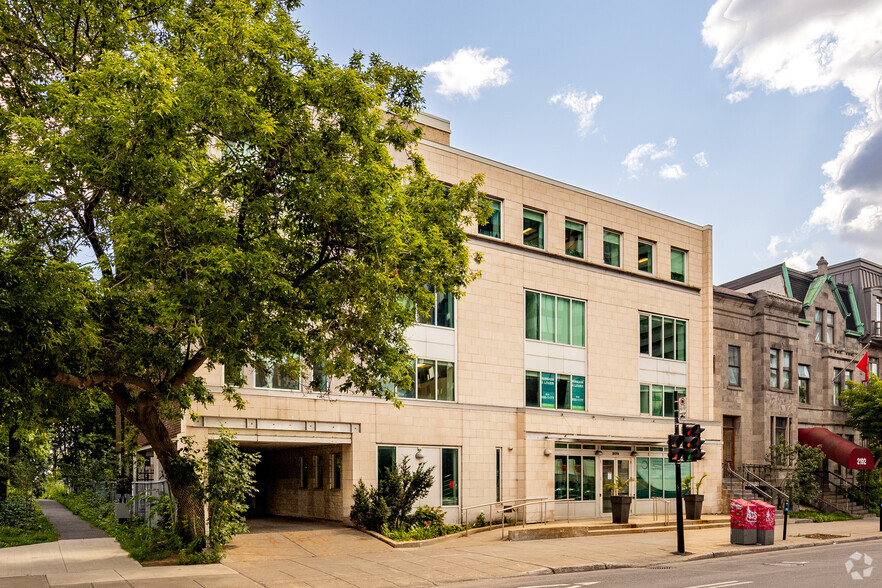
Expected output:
(419, 453)
(547, 452)
(633, 453)
(598, 452)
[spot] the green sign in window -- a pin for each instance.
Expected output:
(578, 384)
(548, 390)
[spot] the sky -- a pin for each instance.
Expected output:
(763, 119)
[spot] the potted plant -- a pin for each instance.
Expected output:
(692, 500)
(621, 504)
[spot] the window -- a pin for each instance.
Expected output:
(848, 375)
(434, 380)
(276, 375)
(819, 324)
(779, 429)
(386, 460)
(678, 265)
(837, 385)
(337, 481)
(663, 337)
(645, 250)
(304, 473)
(559, 391)
(498, 474)
(774, 368)
(574, 477)
(656, 477)
(554, 319)
(612, 246)
(534, 229)
(786, 360)
(319, 467)
(319, 379)
(831, 317)
(873, 367)
(803, 374)
(441, 315)
(658, 400)
(493, 226)
(575, 239)
(734, 365)
(449, 477)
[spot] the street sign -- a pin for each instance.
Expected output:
(682, 401)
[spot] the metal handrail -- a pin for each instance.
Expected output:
(750, 484)
(847, 494)
(848, 489)
(769, 485)
(466, 509)
(532, 502)
(655, 501)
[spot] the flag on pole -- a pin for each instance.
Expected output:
(864, 366)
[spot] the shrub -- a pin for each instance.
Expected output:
(427, 515)
(369, 509)
(391, 504)
(19, 512)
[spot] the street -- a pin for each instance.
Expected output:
(814, 567)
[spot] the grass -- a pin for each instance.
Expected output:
(822, 517)
(40, 530)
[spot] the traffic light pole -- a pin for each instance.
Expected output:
(681, 542)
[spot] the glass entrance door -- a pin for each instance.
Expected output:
(609, 469)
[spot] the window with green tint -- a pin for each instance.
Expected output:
(644, 334)
(560, 477)
(642, 477)
(588, 479)
(533, 315)
(645, 252)
(558, 445)
(734, 365)
(493, 226)
(578, 323)
(435, 380)
(657, 400)
(449, 477)
(670, 401)
(662, 337)
(446, 387)
(548, 322)
(385, 461)
(612, 246)
(656, 479)
(681, 341)
(563, 392)
(669, 476)
(669, 338)
(534, 229)
(531, 385)
(426, 375)
(678, 265)
(574, 477)
(575, 239)
(563, 321)
(644, 398)
(657, 336)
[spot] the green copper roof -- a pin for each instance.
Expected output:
(815, 288)
(787, 289)
(857, 313)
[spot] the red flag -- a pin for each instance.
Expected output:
(864, 366)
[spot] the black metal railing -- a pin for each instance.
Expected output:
(845, 488)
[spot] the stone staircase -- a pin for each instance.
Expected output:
(732, 489)
(830, 501)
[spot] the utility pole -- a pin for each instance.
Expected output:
(681, 541)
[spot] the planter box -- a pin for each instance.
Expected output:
(621, 508)
(693, 504)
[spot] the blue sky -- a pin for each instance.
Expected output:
(763, 119)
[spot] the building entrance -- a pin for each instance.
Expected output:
(609, 469)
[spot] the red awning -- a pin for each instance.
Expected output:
(840, 450)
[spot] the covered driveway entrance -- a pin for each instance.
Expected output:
(837, 448)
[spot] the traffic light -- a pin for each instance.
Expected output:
(692, 442)
(675, 447)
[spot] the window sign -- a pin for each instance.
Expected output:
(578, 393)
(548, 390)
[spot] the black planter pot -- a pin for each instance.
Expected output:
(693, 506)
(621, 508)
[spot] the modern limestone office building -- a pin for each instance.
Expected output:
(558, 369)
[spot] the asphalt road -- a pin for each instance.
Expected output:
(814, 567)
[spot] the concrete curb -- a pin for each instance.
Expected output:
(424, 542)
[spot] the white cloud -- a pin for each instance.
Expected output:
(582, 105)
(803, 46)
(671, 172)
(772, 248)
(467, 71)
(802, 261)
(633, 162)
(700, 159)
(737, 96)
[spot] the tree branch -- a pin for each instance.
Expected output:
(188, 369)
(99, 379)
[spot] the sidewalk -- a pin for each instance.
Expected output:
(316, 554)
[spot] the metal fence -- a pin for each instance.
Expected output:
(143, 504)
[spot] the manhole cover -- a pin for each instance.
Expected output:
(822, 536)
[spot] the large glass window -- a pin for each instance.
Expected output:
(734, 365)
(659, 400)
(656, 478)
(449, 476)
(277, 375)
(385, 461)
(574, 477)
(831, 317)
(493, 226)
(678, 265)
(774, 367)
(663, 337)
(803, 373)
(554, 319)
(441, 314)
(575, 239)
(559, 391)
(434, 381)
(534, 229)
(819, 324)
(612, 247)
(786, 360)
(837, 385)
(645, 251)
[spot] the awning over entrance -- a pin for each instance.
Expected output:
(837, 448)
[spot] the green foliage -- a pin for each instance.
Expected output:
(391, 504)
(229, 483)
(864, 405)
(823, 517)
(427, 515)
(480, 521)
(415, 532)
(797, 464)
(187, 184)
(687, 482)
(617, 485)
(22, 523)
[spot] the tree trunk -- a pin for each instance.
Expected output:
(182, 478)
(13, 448)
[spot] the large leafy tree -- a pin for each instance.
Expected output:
(186, 183)
(863, 401)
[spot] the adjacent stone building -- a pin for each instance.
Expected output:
(559, 369)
